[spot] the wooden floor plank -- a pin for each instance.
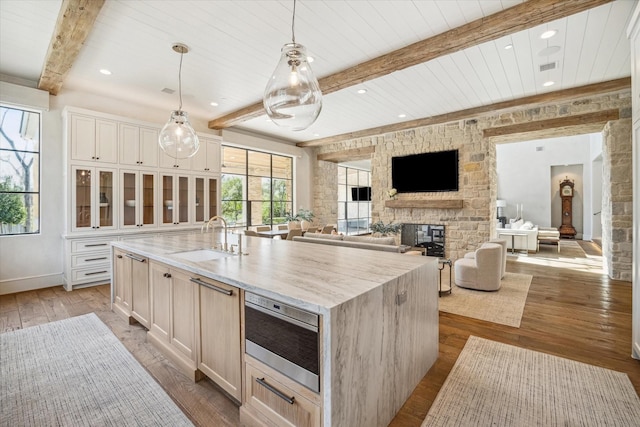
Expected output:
(574, 314)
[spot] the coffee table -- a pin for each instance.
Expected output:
(513, 234)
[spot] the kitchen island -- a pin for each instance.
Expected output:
(378, 319)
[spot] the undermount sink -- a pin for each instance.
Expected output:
(202, 255)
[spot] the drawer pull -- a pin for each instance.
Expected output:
(212, 287)
(136, 258)
(95, 272)
(167, 275)
(290, 400)
(119, 256)
(97, 259)
(95, 244)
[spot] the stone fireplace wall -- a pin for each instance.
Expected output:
(475, 222)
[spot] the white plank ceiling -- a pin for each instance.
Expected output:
(235, 46)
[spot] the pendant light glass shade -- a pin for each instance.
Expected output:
(177, 138)
(292, 97)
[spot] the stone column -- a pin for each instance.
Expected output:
(617, 199)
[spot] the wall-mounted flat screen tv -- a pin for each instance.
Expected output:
(361, 194)
(425, 172)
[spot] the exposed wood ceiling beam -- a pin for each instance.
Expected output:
(529, 101)
(74, 24)
(517, 18)
(352, 154)
(598, 118)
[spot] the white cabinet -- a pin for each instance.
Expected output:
(168, 162)
(138, 145)
(92, 198)
(174, 199)
(138, 202)
(206, 198)
(87, 260)
(207, 159)
(93, 139)
(219, 355)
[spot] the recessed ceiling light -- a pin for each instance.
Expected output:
(310, 59)
(105, 72)
(316, 134)
(362, 91)
(214, 104)
(402, 116)
(548, 34)
(549, 83)
(509, 46)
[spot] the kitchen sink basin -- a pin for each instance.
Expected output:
(202, 255)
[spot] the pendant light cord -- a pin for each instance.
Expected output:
(293, 23)
(180, 81)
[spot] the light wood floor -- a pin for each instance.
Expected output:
(577, 315)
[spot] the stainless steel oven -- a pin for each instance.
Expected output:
(284, 338)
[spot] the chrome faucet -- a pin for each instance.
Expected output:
(224, 224)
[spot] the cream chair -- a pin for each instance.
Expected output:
(481, 272)
(293, 233)
(311, 230)
(283, 227)
(250, 233)
(501, 242)
(327, 229)
(260, 228)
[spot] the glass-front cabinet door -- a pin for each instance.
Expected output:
(175, 199)
(92, 199)
(138, 199)
(205, 198)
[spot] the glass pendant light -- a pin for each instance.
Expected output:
(177, 138)
(292, 97)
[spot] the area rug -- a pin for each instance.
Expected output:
(571, 248)
(504, 306)
(75, 372)
(494, 384)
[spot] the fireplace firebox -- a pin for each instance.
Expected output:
(427, 236)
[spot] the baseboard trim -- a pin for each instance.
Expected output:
(11, 286)
(635, 351)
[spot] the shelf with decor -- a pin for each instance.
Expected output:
(425, 204)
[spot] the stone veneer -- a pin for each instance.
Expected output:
(466, 228)
(617, 199)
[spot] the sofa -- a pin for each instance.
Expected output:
(386, 244)
(523, 234)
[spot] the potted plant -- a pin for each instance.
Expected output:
(306, 217)
(292, 220)
(382, 229)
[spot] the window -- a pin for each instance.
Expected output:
(257, 187)
(19, 171)
(354, 200)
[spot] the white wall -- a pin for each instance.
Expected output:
(35, 261)
(524, 176)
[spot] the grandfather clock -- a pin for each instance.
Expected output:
(566, 194)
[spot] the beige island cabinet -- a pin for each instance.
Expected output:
(376, 313)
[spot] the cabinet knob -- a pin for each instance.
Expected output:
(167, 275)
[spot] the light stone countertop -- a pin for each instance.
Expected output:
(310, 276)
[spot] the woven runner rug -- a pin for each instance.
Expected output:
(75, 372)
(504, 306)
(494, 384)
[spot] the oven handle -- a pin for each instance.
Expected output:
(290, 400)
(210, 286)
